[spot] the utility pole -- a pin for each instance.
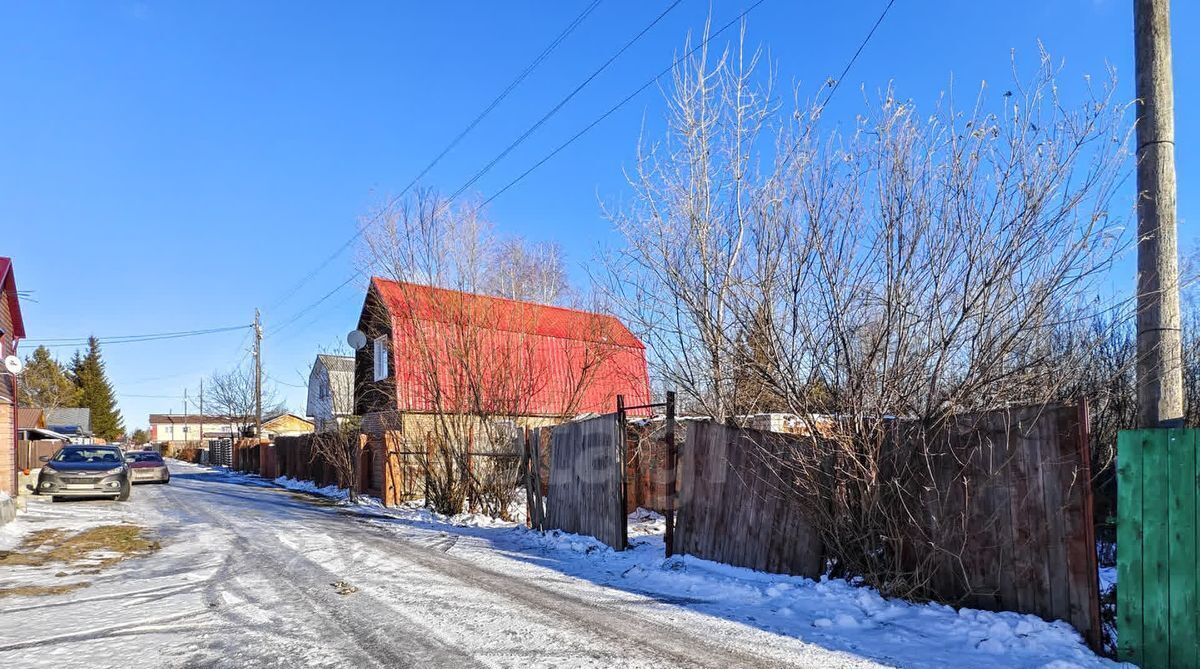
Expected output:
(201, 413)
(1159, 368)
(257, 376)
(185, 418)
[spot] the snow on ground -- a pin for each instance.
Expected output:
(252, 575)
(831, 613)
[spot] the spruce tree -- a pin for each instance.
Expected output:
(44, 383)
(96, 393)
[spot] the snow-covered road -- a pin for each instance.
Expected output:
(245, 578)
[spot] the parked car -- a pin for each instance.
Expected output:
(84, 471)
(147, 467)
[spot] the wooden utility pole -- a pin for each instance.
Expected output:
(1159, 368)
(201, 413)
(185, 418)
(257, 376)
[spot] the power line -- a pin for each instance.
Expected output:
(554, 110)
(650, 82)
(282, 383)
(131, 339)
(791, 152)
(457, 139)
(838, 82)
(312, 306)
(507, 150)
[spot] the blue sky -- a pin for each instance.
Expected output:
(169, 166)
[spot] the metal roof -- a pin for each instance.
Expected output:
(337, 363)
(537, 360)
(80, 417)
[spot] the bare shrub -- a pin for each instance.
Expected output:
(472, 370)
(341, 450)
(918, 266)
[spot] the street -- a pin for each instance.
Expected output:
(250, 575)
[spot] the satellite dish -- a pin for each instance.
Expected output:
(356, 339)
(13, 364)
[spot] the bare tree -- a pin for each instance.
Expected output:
(919, 267)
(519, 270)
(687, 235)
(475, 367)
(231, 395)
(340, 449)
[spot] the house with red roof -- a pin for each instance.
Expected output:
(12, 330)
(445, 365)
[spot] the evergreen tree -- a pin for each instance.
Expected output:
(44, 383)
(96, 393)
(754, 367)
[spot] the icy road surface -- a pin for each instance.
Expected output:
(251, 575)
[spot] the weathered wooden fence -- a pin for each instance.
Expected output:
(1004, 502)
(1014, 518)
(294, 459)
(586, 479)
(1158, 542)
(536, 472)
(734, 506)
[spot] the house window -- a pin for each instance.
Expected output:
(323, 389)
(381, 358)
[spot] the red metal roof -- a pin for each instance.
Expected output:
(452, 348)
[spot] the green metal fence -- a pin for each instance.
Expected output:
(1158, 507)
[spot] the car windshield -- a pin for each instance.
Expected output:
(144, 457)
(85, 454)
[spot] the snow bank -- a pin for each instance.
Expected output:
(330, 491)
(831, 612)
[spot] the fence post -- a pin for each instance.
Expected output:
(669, 437)
(622, 498)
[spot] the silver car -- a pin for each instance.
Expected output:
(84, 471)
(147, 467)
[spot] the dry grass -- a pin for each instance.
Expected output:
(41, 590)
(97, 547)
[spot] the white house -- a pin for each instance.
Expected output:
(330, 391)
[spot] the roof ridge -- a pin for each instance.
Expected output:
(622, 332)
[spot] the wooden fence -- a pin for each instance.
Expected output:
(1005, 525)
(294, 459)
(30, 453)
(734, 507)
(586, 479)
(1019, 482)
(1158, 541)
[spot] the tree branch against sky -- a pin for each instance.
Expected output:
(323, 179)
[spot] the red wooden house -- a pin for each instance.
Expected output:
(435, 356)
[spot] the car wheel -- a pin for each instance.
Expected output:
(124, 496)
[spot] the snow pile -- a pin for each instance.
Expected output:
(830, 612)
(330, 491)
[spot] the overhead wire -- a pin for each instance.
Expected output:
(611, 110)
(130, 339)
(541, 57)
(504, 153)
